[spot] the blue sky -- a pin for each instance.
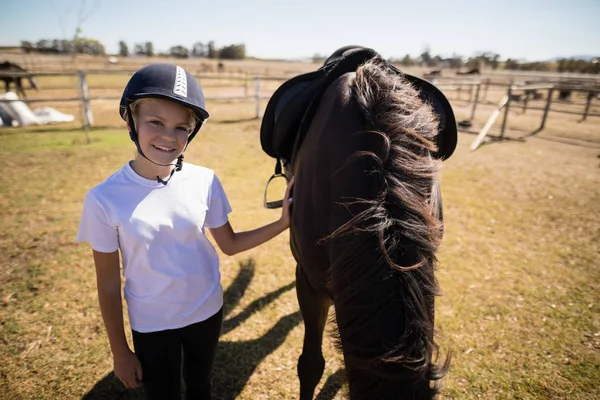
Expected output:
(522, 29)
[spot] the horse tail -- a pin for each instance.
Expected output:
(382, 273)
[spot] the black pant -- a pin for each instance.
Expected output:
(160, 354)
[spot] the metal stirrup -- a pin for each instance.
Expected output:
(278, 174)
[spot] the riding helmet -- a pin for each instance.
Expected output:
(169, 82)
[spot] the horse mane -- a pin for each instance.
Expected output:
(383, 282)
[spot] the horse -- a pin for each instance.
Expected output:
(206, 67)
(472, 71)
(364, 143)
(7, 70)
(436, 73)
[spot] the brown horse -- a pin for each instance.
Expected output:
(366, 220)
(7, 74)
(472, 71)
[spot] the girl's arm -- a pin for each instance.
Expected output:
(108, 277)
(232, 243)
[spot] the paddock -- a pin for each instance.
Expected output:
(517, 266)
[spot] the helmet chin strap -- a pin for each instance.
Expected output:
(134, 136)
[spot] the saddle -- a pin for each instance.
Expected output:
(292, 107)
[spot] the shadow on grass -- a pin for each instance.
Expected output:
(235, 361)
(332, 385)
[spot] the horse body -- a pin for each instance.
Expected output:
(384, 313)
(365, 227)
(6, 68)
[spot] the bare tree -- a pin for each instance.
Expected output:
(85, 11)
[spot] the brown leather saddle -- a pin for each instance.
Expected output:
(293, 105)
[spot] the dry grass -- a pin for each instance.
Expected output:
(518, 265)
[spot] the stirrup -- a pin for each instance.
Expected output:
(278, 174)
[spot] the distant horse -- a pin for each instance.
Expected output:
(472, 71)
(436, 73)
(221, 67)
(6, 70)
(364, 143)
(564, 94)
(206, 67)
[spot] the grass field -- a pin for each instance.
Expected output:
(519, 265)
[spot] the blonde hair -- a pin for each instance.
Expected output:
(134, 106)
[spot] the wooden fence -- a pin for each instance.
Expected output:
(475, 89)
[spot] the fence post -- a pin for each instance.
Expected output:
(587, 105)
(257, 96)
(547, 108)
(505, 119)
(88, 119)
(489, 123)
(487, 86)
(526, 100)
(476, 101)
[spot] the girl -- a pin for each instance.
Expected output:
(154, 211)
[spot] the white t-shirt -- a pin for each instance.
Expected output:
(171, 270)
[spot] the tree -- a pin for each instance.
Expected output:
(199, 50)
(495, 60)
(212, 50)
(139, 50)
(455, 61)
(43, 46)
(56, 47)
(179, 52)
(407, 61)
(426, 57)
(149, 49)
(67, 46)
(27, 46)
(123, 49)
(511, 64)
(233, 52)
(88, 46)
(474, 62)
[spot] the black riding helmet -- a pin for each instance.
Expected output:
(164, 81)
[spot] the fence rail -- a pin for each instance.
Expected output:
(85, 99)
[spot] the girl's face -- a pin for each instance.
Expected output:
(163, 127)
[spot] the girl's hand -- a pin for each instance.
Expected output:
(128, 369)
(287, 202)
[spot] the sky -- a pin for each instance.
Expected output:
(280, 29)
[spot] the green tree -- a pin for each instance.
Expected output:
(149, 49)
(426, 57)
(27, 46)
(212, 51)
(407, 61)
(179, 52)
(233, 52)
(123, 49)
